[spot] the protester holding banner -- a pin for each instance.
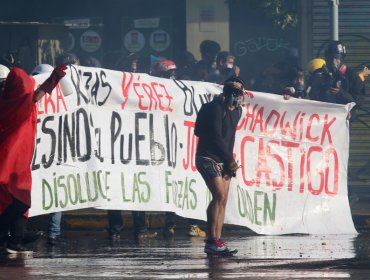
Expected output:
(335, 82)
(54, 218)
(18, 119)
(166, 68)
(132, 63)
(296, 86)
(186, 66)
(216, 128)
(275, 77)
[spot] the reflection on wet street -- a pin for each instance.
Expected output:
(90, 255)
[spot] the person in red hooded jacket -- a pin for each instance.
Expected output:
(18, 120)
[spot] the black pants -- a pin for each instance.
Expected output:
(13, 220)
(115, 221)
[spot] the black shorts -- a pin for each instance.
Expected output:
(209, 168)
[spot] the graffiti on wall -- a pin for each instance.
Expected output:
(254, 45)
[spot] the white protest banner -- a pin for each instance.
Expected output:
(126, 141)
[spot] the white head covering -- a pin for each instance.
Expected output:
(42, 68)
(4, 71)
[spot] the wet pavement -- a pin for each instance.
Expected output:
(91, 255)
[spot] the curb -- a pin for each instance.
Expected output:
(96, 219)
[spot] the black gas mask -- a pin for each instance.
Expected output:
(233, 92)
(334, 56)
(334, 62)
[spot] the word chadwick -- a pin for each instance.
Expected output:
(286, 160)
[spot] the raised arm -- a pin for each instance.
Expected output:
(51, 82)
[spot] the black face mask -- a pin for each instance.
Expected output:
(227, 72)
(170, 74)
(299, 89)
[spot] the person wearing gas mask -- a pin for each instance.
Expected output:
(215, 127)
(296, 87)
(226, 68)
(335, 82)
(18, 119)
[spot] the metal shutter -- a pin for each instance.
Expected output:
(354, 27)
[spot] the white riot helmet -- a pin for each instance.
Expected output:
(4, 71)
